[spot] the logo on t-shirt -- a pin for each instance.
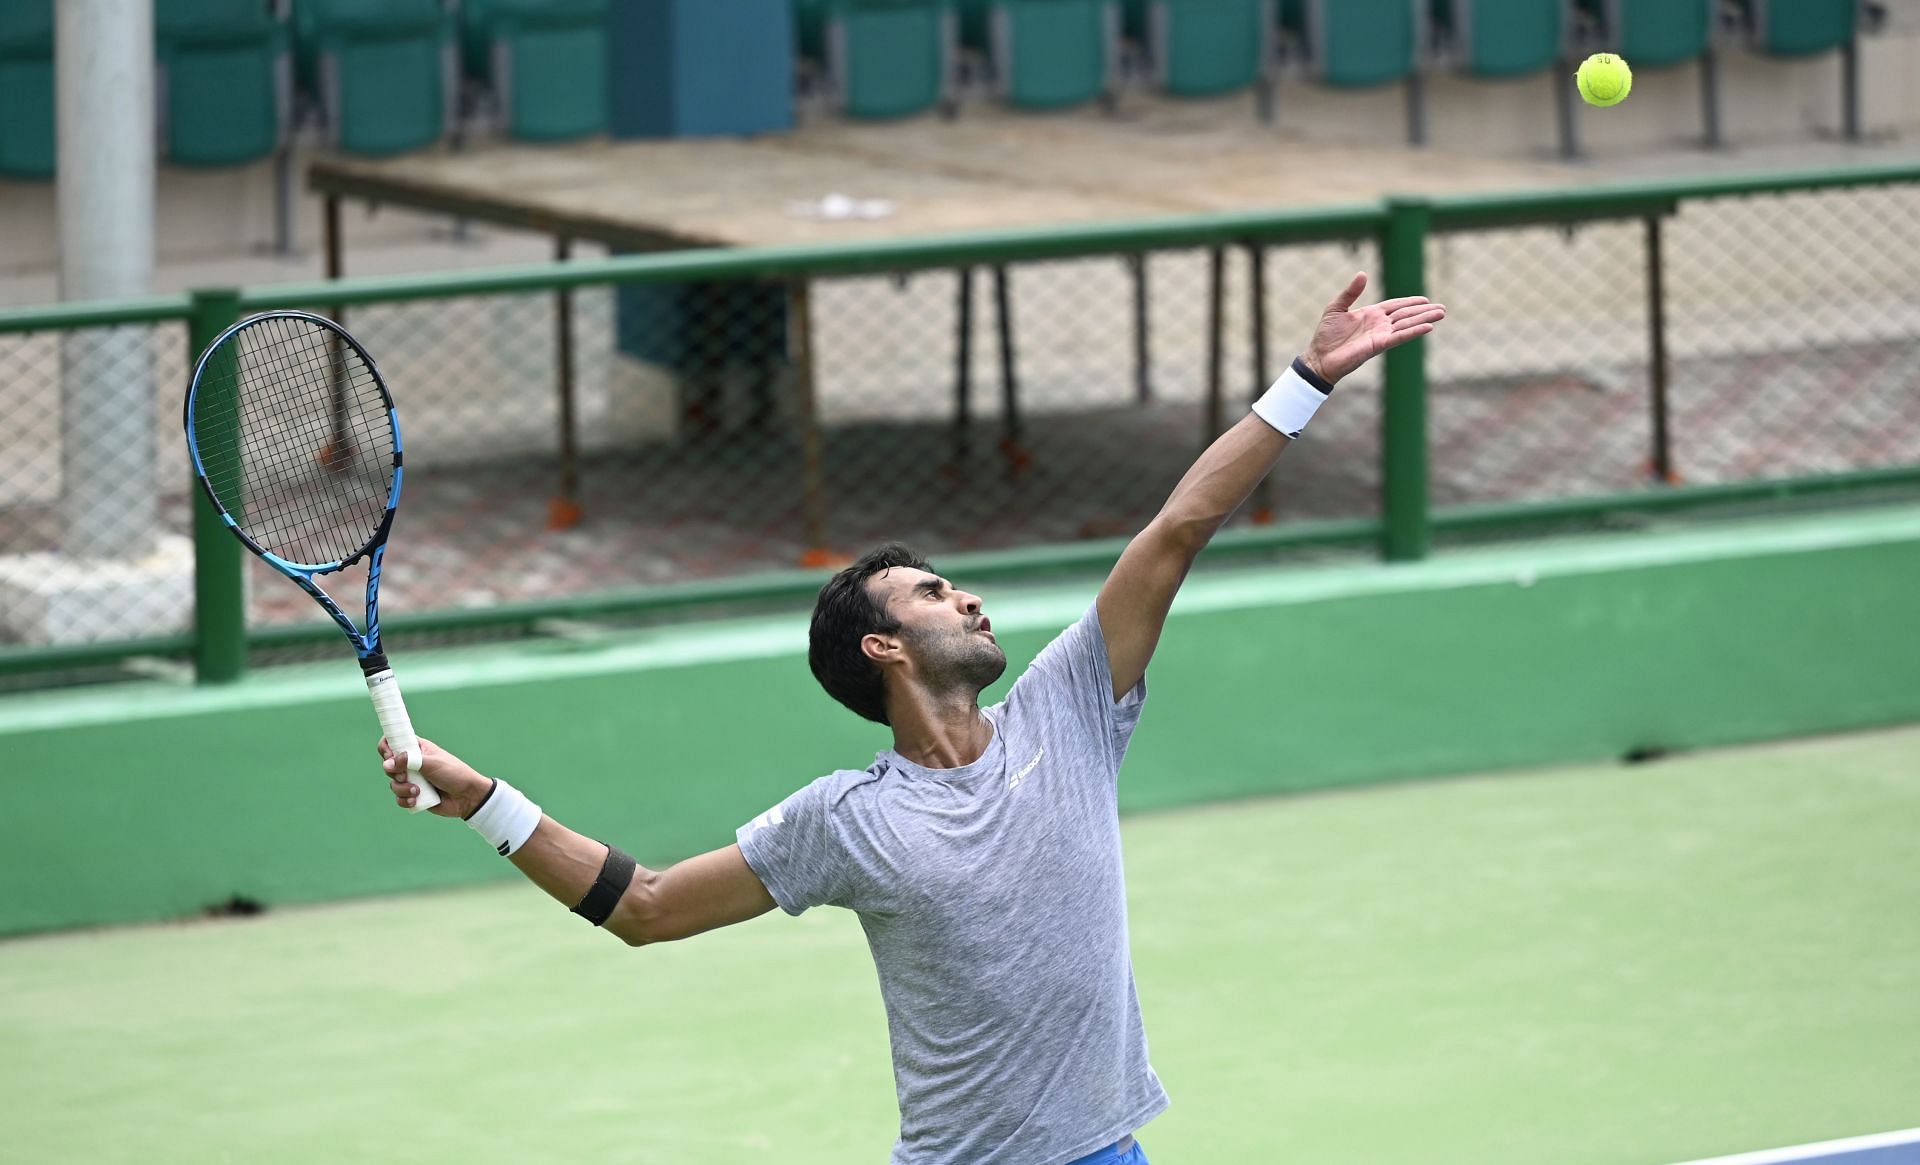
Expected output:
(773, 816)
(1013, 782)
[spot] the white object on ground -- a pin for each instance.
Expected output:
(837, 206)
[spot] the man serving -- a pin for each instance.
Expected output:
(981, 852)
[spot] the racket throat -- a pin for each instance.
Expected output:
(374, 663)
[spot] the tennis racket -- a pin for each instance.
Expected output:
(295, 440)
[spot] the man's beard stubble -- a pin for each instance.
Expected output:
(963, 659)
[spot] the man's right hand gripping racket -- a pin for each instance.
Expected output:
(295, 440)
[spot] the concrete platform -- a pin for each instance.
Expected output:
(991, 169)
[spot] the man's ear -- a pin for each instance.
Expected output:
(880, 648)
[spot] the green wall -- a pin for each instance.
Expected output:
(150, 801)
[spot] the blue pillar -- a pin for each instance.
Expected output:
(699, 68)
(689, 68)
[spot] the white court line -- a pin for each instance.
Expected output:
(1820, 1149)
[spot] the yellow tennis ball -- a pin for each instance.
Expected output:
(1604, 79)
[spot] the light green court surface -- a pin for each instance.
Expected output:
(1698, 956)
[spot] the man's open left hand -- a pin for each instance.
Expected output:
(1348, 338)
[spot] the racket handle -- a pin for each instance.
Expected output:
(398, 730)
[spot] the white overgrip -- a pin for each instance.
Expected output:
(398, 730)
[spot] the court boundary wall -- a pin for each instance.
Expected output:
(151, 801)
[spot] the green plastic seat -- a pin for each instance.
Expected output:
(1504, 38)
(27, 132)
(1359, 44)
(889, 58)
(1656, 34)
(1805, 28)
(1362, 44)
(544, 61)
(383, 71)
(1801, 28)
(186, 15)
(1203, 48)
(1050, 54)
(224, 81)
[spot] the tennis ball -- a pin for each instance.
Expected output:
(1604, 79)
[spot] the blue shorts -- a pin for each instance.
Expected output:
(1111, 1155)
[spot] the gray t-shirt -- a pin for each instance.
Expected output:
(994, 902)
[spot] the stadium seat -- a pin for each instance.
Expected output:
(224, 81)
(1049, 54)
(1799, 28)
(1500, 39)
(382, 71)
(1352, 44)
(1804, 28)
(544, 63)
(26, 89)
(1503, 38)
(1654, 34)
(888, 58)
(1202, 48)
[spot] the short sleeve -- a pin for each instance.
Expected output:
(797, 852)
(1073, 672)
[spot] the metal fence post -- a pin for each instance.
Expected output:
(219, 593)
(1403, 415)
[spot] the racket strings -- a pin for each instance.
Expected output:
(296, 440)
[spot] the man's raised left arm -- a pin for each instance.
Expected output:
(1133, 603)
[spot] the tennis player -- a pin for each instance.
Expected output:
(982, 851)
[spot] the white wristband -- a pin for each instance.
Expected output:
(1292, 400)
(506, 818)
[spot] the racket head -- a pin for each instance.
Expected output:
(295, 441)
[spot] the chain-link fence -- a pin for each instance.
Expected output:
(1731, 339)
(94, 514)
(961, 410)
(629, 433)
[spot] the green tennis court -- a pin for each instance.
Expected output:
(1704, 955)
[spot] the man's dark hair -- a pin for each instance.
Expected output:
(844, 614)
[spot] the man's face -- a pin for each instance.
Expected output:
(943, 631)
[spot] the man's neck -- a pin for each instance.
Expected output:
(942, 737)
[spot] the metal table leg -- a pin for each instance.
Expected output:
(1216, 280)
(1262, 512)
(337, 453)
(1142, 356)
(813, 488)
(1016, 454)
(563, 511)
(963, 373)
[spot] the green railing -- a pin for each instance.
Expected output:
(1405, 232)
